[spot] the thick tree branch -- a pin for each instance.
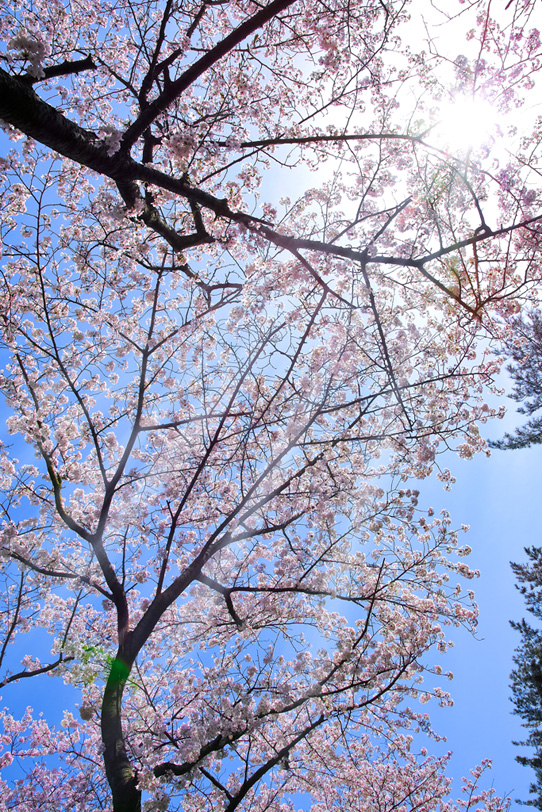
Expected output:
(176, 88)
(66, 68)
(21, 107)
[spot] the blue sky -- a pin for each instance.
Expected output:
(498, 498)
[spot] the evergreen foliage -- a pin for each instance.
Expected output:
(525, 351)
(527, 676)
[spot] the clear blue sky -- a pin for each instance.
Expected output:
(499, 499)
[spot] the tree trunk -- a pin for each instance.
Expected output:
(120, 774)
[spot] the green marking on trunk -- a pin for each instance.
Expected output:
(119, 671)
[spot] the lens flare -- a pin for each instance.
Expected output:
(466, 123)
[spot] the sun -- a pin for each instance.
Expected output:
(466, 123)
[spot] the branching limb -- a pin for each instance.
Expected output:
(384, 345)
(60, 574)
(222, 590)
(45, 669)
(66, 68)
(174, 90)
(278, 758)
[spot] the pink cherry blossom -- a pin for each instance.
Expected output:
(247, 302)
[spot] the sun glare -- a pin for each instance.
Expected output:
(466, 123)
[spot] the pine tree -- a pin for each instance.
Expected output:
(527, 676)
(525, 351)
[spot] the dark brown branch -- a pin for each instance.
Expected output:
(148, 79)
(218, 743)
(316, 139)
(384, 343)
(84, 579)
(22, 108)
(210, 777)
(316, 276)
(222, 590)
(272, 762)
(64, 69)
(43, 670)
(179, 242)
(174, 90)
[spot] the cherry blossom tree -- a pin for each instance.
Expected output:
(243, 286)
